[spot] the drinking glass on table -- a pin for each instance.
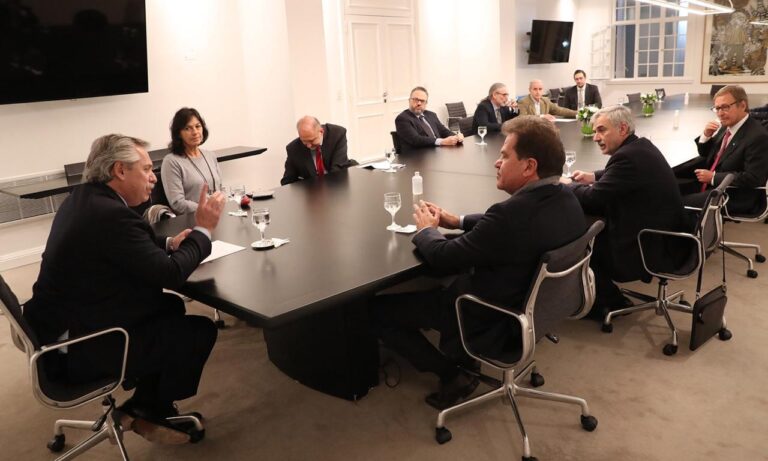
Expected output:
(260, 219)
(570, 159)
(392, 204)
(481, 131)
(391, 155)
(226, 191)
(238, 192)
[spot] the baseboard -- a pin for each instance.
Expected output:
(21, 258)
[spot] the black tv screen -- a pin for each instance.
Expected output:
(68, 49)
(550, 42)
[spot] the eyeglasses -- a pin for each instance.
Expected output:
(422, 101)
(724, 107)
(503, 94)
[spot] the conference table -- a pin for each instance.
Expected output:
(340, 252)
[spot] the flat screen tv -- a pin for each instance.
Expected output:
(550, 42)
(69, 49)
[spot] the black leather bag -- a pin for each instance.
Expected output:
(707, 316)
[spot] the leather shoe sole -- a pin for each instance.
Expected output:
(153, 432)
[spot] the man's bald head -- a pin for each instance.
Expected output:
(310, 131)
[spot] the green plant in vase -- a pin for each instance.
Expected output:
(648, 99)
(584, 115)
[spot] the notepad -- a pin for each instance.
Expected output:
(220, 249)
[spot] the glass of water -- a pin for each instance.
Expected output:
(260, 219)
(392, 204)
(238, 192)
(391, 155)
(481, 131)
(570, 159)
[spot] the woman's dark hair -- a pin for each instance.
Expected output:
(180, 120)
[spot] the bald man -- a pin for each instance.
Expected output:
(536, 104)
(320, 149)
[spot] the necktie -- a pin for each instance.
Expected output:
(719, 155)
(498, 115)
(581, 97)
(429, 127)
(319, 162)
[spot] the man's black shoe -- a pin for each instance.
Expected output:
(152, 423)
(459, 387)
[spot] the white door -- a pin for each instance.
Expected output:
(382, 70)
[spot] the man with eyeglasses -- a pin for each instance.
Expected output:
(494, 109)
(418, 127)
(734, 143)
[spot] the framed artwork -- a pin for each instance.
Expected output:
(735, 47)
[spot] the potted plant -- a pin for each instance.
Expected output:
(648, 99)
(584, 115)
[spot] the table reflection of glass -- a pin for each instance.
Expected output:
(392, 204)
(260, 219)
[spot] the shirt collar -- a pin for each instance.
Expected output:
(548, 181)
(738, 125)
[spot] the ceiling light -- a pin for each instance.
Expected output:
(702, 8)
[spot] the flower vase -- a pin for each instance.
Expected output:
(586, 129)
(648, 110)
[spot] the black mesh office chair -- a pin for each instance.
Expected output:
(554, 95)
(676, 256)
(660, 94)
(633, 97)
(562, 288)
(714, 89)
(760, 215)
(396, 142)
(51, 387)
(465, 126)
(456, 112)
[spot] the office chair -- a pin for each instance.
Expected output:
(51, 387)
(465, 126)
(730, 247)
(660, 94)
(563, 287)
(396, 142)
(554, 95)
(714, 89)
(456, 112)
(633, 97)
(676, 256)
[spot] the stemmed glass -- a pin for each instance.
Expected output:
(391, 156)
(392, 203)
(570, 159)
(260, 219)
(481, 131)
(238, 192)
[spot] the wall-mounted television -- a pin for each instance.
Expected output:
(550, 42)
(69, 49)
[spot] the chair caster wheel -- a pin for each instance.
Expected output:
(537, 380)
(607, 327)
(751, 273)
(196, 436)
(670, 349)
(759, 258)
(589, 423)
(724, 334)
(57, 444)
(220, 324)
(442, 435)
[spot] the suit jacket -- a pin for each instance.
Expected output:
(591, 97)
(636, 190)
(103, 266)
(300, 161)
(547, 107)
(485, 115)
(412, 132)
(746, 156)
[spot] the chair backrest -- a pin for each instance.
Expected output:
(22, 334)
(554, 94)
(660, 94)
(396, 142)
(633, 97)
(456, 109)
(465, 126)
(562, 287)
(714, 89)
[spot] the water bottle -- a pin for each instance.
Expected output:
(685, 101)
(417, 187)
(676, 120)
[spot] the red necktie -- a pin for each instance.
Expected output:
(726, 138)
(319, 162)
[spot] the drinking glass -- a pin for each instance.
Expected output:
(392, 203)
(391, 156)
(260, 219)
(225, 190)
(570, 159)
(238, 192)
(481, 131)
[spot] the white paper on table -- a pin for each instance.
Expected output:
(565, 120)
(220, 248)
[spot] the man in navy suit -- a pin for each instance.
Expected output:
(319, 150)
(582, 94)
(496, 256)
(744, 153)
(104, 267)
(418, 127)
(494, 109)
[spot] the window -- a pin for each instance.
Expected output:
(649, 40)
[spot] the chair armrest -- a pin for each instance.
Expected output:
(669, 235)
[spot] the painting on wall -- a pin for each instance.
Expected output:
(735, 44)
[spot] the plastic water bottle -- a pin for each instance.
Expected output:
(417, 187)
(686, 99)
(676, 120)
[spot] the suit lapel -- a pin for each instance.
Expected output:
(309, 163)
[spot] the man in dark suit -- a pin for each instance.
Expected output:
(736, 143)
(104, 267)
(319, 150)
(497, 256)
(418, 127)
(583, 93)
(635, 190)
(495, 109)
